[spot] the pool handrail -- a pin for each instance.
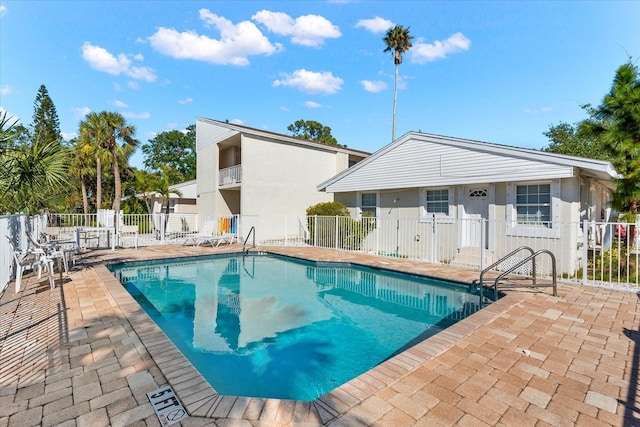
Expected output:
(252, 230)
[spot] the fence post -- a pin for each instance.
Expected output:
(336, 245)
(585, 250)
(378, 221)
(483, 238)
(434, 258)
(162, 227)
(315, 230)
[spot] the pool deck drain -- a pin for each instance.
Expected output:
(85, 353)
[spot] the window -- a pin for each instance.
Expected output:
(477, 193)
(533, 204)
(533, 208)
(438, 201)
(369, 204)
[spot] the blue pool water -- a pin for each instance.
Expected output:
(270, 326)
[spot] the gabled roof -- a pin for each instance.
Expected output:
(230, 129)
(419, 159)
(187, 190)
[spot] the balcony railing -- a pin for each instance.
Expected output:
(230, 176)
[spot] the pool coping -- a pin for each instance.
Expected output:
(200, 399)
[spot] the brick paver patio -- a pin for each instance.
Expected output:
(85, 354)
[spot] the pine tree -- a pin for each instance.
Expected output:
(616, 124)
(46, 125)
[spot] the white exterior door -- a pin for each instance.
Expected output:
(476, 208)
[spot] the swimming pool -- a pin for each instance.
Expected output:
(271, 326)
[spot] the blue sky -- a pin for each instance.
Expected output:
(500, 72)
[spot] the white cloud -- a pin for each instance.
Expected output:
(237, 122)
(185, 101)
(119, 104)
(117, 87)
(81, 112)
(312, 104)
(306, 30)
(68, 136)
(373, 86)
(102, 60)
(5, 90)
(422, 52)
(540, 110)
(3, 10)
(375, 25)
(133, 85)
(283, 108)
(12, 117)
(132, 115)
(237, 42)
(311, 82)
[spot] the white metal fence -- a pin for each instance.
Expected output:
(585, 252)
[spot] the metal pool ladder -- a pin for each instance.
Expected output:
(244, 245)
(502, 281)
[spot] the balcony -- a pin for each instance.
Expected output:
(229, 177)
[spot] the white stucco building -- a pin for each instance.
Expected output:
(252, 172)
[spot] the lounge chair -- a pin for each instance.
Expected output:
(206, 232)
(215, 241)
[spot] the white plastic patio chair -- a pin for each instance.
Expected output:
(31, 259)
(54, 249)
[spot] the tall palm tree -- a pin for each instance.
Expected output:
(119, 130)
(82, 169)
(109, 131)
(93, 131)
(398, 41)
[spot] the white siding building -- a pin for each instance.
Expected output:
(520, 192)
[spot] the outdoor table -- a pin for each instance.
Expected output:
(109, 231)
(53, 250)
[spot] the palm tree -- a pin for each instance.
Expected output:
(163, 189)
(398, 42)
(92, 132)
(119, 130)
(7, 125)
(145, 185)
(81, 168)
(104, 131)
(31, 176)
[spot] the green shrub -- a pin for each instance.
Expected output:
(328, 209)
(327, 216)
